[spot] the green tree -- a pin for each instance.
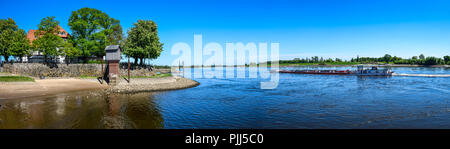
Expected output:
(387, 58)
(93, 30)
(69, 51)
(421, 56)
(20, 45)
(143, 41)
(433, 61)
(447, 59)
(8, 28)
(48, 42)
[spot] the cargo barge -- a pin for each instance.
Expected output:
(361, 71)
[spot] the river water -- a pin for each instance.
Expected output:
(299, 101)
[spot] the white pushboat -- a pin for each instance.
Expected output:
(374, 71)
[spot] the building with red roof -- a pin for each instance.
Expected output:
(61, 33)
(37, 56)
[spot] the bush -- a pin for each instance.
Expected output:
(433, 61)
(94, 62)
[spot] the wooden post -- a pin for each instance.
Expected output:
(128, 69)
(103, 73)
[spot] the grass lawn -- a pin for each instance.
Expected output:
(154, 76)
(162, 75)
(16, 79)
(87, 77)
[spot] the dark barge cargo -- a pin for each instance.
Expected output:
(327, 72)
(374, 71)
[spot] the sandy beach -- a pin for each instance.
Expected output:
(13, 90)
(152, 84)
(45, 87)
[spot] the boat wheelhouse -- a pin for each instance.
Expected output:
(374, 71)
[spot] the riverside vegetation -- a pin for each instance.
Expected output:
(386, 59)
(92, 30)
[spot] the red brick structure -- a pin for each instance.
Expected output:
(112, 59)
(113, 71)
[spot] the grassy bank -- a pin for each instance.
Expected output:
(153, 76)
(16, 79)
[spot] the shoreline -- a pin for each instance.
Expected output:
(152, 84)
(54, 86)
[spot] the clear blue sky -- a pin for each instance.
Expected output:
(327, 28)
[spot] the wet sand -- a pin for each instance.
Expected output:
(16, 90)
(13, 90)
(152, 84)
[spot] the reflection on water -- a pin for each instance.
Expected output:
(82, 110)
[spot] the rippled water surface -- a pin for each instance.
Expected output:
(299, 101)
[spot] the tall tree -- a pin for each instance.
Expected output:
(48, 42)
(93, 30)
(421, 56)
(20, 45)
(446, 59)
(69, 51)
(143, 41)
(8, 28)
(387, 58)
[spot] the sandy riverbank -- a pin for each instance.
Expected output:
(45, 87)
(152, 84)
(12, 90)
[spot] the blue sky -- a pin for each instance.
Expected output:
(326, 28)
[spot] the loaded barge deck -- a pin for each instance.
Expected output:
(327, 72)
(361, 71)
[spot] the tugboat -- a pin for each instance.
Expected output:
(361, 71)
(374, 71)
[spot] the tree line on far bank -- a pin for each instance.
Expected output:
(420, 60)
(386, 59)
(92, 30)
